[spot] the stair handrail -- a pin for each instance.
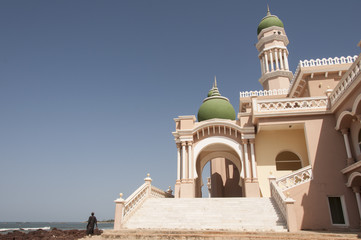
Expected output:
(135, 199)
(125, 208)
(295, 178)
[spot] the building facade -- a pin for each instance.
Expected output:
(298, 140)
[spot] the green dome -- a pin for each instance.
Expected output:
(269, 21)
(216, 106)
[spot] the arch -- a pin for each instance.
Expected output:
(356, 107)
(352, 177)
(344, 120)
(226, 155)
(216, 140)
(288, 160)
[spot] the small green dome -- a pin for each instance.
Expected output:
(216, 106)
(269, 21)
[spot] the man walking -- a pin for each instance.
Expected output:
(91, 222)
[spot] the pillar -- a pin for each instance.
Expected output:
(184, 169)
(276, 58)
(261, 63)
(190, 160)
(281, 61)
(253, 160)
(285, 59)
(347, 145)
(271, 59)
(119, 208)
(266, 62)
(246, 165)
(178, 162)
(356, 190)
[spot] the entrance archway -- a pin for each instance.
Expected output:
(226, 173)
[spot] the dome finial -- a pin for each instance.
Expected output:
(268, 11)
(215, 81)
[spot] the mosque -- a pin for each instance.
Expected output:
(297, 142)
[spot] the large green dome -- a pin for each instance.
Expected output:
(269, 21)
(216, 106)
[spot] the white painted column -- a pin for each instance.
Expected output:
(264, 65)
(276, 58)
(271, 59)
(285, 58)
(246, 164)
(356, 190)
(261, 62)
(190, 160)
(266, 58)
(281, 61)
(347, 143)
(178, 162)
(184, 158)
(253, 159)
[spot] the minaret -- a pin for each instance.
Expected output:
(273, 53)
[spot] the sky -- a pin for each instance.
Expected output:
(89, 89)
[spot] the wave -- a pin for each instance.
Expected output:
(23, 229)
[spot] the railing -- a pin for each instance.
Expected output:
(346, 81)
(328, 61)
(125, 208)
(273, 92)
(294, 179)
(286, 203)
(279, 197)
(321, 62)
(289, 104)
(136, 199)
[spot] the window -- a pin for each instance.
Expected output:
(336, 210)
(288, 161)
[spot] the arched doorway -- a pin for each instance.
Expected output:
(224, 169)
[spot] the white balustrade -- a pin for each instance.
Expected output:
(279, 197)
(294, 179)
(346, 80)
(321, 62)
(136, 199)
(291, 104)
(273, 92)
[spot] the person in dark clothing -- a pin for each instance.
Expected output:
(91, 222)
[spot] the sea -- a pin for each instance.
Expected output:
(6, 227)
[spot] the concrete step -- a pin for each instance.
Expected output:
(241, 214)
(222, 235)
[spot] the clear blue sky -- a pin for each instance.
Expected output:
(89, 89)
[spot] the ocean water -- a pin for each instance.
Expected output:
(6, 227)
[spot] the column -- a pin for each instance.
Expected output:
(276, 57)
(178, 162)
(190, 160)
(253, 159)
(264, 64)
(347, 143)
(184, 160)
(356, 190)
(285, 59)
(245, 149)
(271, 59)
(281, 61)
(266, 58)
(261, 62)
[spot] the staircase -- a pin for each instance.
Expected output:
(236, 214)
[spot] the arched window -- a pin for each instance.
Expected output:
(288, 161)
